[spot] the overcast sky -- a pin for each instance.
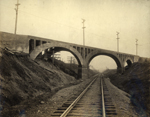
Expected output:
(62, 20)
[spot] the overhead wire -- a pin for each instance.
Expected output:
(56, 22)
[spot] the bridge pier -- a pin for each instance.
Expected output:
(79, 72)
(83, 72)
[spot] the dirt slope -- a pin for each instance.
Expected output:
(136, 82)
(23, 79)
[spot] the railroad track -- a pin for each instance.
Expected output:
(94, 101)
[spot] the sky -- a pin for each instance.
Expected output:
(62, 20)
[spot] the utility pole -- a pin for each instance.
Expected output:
(83, 40)
(53, 57)
(136, 46)
(117, 42)
(16, 16)
(70, 60)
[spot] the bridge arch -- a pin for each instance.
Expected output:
(112, 55)
(34, 53)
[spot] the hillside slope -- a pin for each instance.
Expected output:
(136, 82)
(22, 79)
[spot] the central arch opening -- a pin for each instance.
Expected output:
(102, 63)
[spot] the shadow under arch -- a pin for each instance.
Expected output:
(129, 63)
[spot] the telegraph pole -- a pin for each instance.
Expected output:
(16, 16)
(83, 40)
(117, 42)
(136, 46)
(70, 59)
(53, 57)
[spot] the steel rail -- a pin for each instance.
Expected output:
(103, 103)
(65, 113)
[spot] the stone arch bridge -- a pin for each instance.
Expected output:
(83, 54)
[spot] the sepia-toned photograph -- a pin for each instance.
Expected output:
(74, 58)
